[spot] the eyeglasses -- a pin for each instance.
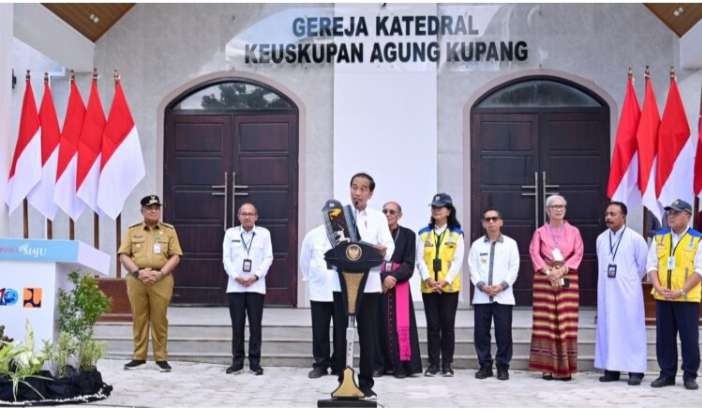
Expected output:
(557, 206)
(247, 214)
(389, 211)
(491, 219)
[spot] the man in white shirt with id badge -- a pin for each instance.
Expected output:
(247, 255)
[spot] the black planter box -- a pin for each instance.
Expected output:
(80, 387)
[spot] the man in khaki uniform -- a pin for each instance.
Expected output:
(150, 251)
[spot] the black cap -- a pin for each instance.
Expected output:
(441, 200)
(150, 200)
(680, 206)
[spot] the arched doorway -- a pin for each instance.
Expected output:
(532, 137)
(226, 142)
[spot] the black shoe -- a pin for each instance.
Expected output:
(163, 366)
(378, 373)
(400, 373)
(663, 381)
(502, 373)
(447, 372)
(609, 376)
(691, 384)
(134, 364)
(431, 371)
(317, 372)
(565, 378)
(235, 369)
(634, 379)
(547, 376)
(484, 372)
(369, 394)
(257, 371)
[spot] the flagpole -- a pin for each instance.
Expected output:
(118, 220)
(118, 237)
(71, 229)
(646, 214)
(25, 218)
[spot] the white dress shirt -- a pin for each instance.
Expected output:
(314, 267)
(239, 245)
(652, 259)
(372, 228)
(494, 263)
(456, 262)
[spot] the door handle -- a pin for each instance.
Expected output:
(235, 193)
(535, 194)
(546, 192)
(224, 193)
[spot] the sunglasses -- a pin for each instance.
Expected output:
(491, 219)
(389, 211)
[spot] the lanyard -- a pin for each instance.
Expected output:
(613, 249)
(438, 239)
(247, 248)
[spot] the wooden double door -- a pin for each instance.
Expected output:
(520, 157)
(212, 164)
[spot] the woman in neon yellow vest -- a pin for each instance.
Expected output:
(440, 249)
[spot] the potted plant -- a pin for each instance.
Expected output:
(20, 366)
(79, 310)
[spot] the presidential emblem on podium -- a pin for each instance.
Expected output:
(352, 260)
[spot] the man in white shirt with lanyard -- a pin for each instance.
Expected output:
(319, 282)
(621, 327)
(372, 228)
(493, 262)
(247, 256)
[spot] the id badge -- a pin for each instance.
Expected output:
(157, 248)
(246, 266)
(671, 263)
(436, 264)
(612, 270)
(557, 255)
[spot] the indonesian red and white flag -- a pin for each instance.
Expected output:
(89, 149)
(676, 152)
(623, 174)
(122, 161)
(647, 142)
(697, 186)
(42, 196)
(25, 171)
(65, 190)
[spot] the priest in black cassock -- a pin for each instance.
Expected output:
(397, 351)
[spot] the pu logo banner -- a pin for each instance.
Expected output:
(32, 298)
(8, 296)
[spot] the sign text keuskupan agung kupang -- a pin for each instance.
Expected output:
(330, 40)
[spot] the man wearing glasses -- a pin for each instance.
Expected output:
(247, 254)
(674, 266)
(493, 262)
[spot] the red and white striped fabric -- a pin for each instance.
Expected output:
(89, 149)
(122, 161)
(676, 152)
(647, 141)
(42, 196)
(25, 171)
(65, 190)
(623, 174)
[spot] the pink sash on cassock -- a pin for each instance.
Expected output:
(402, 317)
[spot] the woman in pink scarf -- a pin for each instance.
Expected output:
(556, 251)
